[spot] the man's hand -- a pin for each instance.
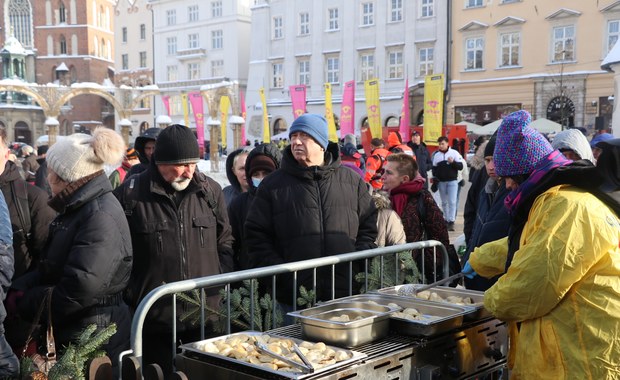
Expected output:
(468, 271)
(435, 186)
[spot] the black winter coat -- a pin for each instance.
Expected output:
(26, 250)
(234, 189)
(173, 243)
(87, 263)
(302, 213)
(423, 158)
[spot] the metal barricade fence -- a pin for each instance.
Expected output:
(227, 279)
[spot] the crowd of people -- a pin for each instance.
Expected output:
(541, 228)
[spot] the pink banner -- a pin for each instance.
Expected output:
(243, 115)
(166, 100)
(404, 115)
(195, 99)
(298, 99)
(347, 110)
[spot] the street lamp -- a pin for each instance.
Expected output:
(214, 134)
(236, 122)
(52, 129)
(162, 121)
(125, 125)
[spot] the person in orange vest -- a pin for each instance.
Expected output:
(374, 163)
(395, 144)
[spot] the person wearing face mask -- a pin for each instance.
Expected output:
(260, 162)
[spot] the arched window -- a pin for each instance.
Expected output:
(62, 13)
(63, 45)
(104, 49)
(20, 21)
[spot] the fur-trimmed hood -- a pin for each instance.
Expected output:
(477, 160)
(382, 200)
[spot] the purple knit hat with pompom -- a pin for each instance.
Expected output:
(518, 148)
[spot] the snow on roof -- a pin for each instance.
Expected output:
(612, 57)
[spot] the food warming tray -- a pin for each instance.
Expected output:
(477, 308)
(193, 350)
(367, 322)
(436, 318)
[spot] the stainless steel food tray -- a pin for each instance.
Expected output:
(477, 308)
(241, 365)
(373, 324)
(438, 318)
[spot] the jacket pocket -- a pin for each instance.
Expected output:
(203, 223)
(151, 233)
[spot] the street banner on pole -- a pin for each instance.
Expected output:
(347, 110)
(329, 114)
(433, 108)
(224, 106)
(371, 89)
(195, 99)
(298, 100)
(166, 100)
(266, 134)
(404, 115)
(185, 109)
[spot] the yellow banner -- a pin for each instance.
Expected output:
(266, 134)
(185, 109)
(371, 90)
(224, 106)
(433, 108)
(329, 114)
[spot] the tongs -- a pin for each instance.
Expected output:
(415, 290)
(306, 367)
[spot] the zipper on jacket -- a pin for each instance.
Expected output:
(160, 242)
(321, 232)
(202, 238)
(182, 244)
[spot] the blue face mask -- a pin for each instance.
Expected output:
(256, 181)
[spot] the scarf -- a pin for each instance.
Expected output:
(60, 201)
(400, 194)
(554, 160)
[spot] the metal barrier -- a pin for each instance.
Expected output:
(228, 278)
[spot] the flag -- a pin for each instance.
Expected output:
(298, 100)
(433, 108)
(185, 109)
(329, 114)
(243, 115)
(195, 99)
(224, 106)
(266, 134)
(404, 115)
(166, 100)
(347, 110)
(371, 90)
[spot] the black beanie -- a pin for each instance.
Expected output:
(261, 162)
(490, 148)
(176, 145)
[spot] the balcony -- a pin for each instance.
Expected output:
(195, 53)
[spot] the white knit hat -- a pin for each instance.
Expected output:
(79, 155)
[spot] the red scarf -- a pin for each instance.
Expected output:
(400, 194)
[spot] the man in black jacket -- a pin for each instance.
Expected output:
(179, 230)
(311, 207)
(422, 156)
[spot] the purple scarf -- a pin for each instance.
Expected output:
(554, 160)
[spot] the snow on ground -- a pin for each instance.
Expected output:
(220, 177)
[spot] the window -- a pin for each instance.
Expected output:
(142, 59)
(125, 61)
(333, 70)
(142, 32)
(474, 48)
(277, 28)
(304, 72)
(20, 21)
(62, 13)
(192, 13)
(367, 66)
(216, 9)
(277, 75)
(304, 23)
(171, 16)
(192, 41)
(613, 30)
(368, 14)
(217, 39)
(396, 10)
(564, 43)
(395, 64)
(193, 71)
(171, 43)
(425, 61)
(509, 49)
(427, 8)
(332, 17)
(63, 45)
(473, 3)
(217, 68)
(510, 1)
(124, 35)
(172, 73)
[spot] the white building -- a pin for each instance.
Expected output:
(196, 43)
(314, 42)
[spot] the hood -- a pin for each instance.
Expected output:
(270, 150)
(232, 178)
(477, 160)
(148, 135)
(330, 163)
(574, 140)
(350, 150)
(10, 173)
(382, 200)
(394, 139)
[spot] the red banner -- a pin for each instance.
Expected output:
(404, 115)
(166, 100)
(298, 99)
(347, 109)
(195, 99)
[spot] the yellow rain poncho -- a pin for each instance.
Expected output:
(563, 286)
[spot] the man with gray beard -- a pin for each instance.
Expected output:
(179, 230)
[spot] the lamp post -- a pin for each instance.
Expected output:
(214, 134)
(236, 122)
(52, 129)
(162, 121)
